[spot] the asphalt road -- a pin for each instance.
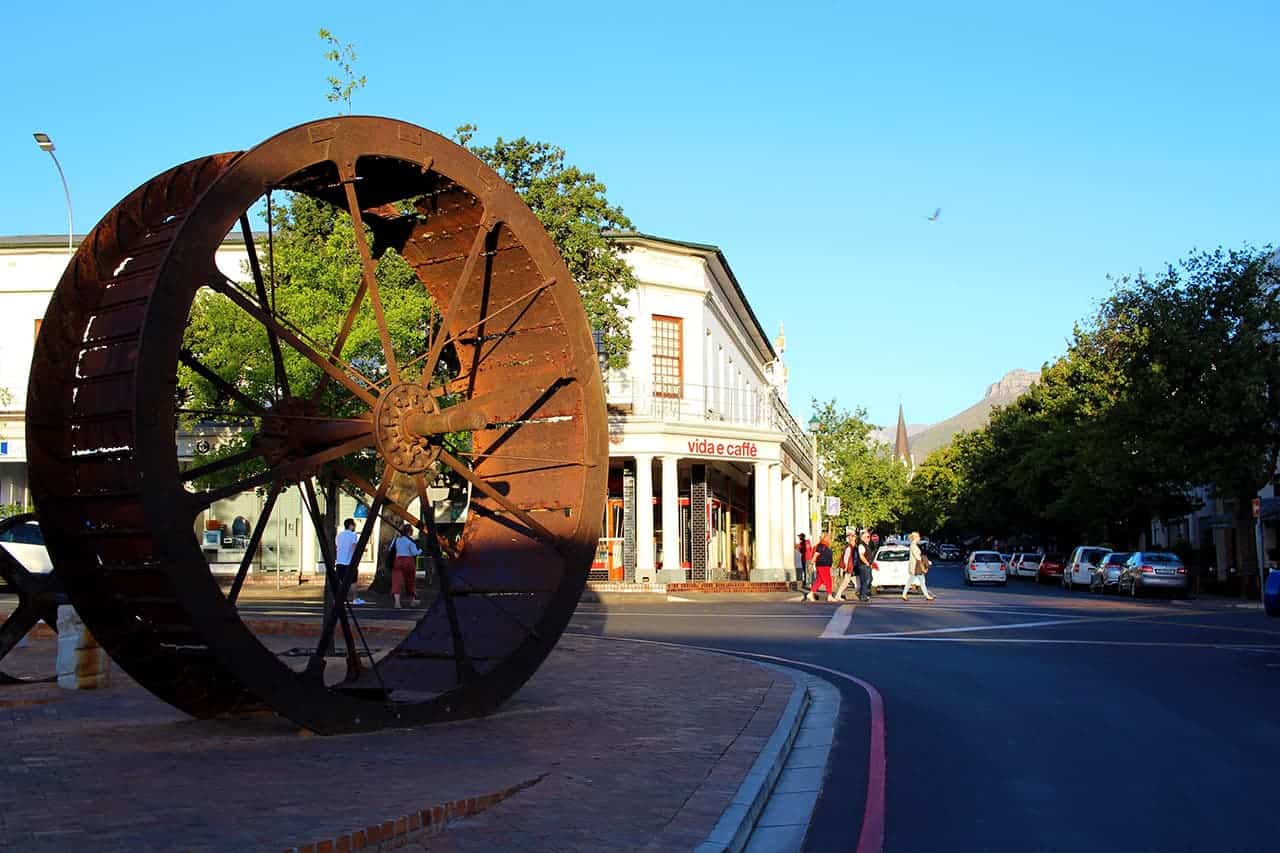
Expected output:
(1028, 718)
(1020, 718)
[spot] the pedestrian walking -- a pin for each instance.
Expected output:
(864, 556)
(404, 575)
(348, 571)
(919, 568)
(822, 559)
(848, 566)
(804, 560)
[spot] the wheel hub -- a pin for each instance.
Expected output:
(401, 446)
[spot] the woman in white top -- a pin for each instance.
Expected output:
(919, 565)
(404, 574)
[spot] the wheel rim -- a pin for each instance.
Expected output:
(510, 403)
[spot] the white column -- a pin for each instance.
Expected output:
(644, 516)
(788, 525)
(805, 511)
(775, 502)
(800, 520)
(760, 547)
(670, 521)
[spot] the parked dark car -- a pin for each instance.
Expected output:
(1153, 570)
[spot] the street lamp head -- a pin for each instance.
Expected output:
(43, 140)
(814, 424)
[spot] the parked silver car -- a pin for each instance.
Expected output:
(1107, 575)
(1148, 570)
(1028, 566)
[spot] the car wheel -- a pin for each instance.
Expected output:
(1004, 582)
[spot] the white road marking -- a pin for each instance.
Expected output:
(839, 622)
(965, 630)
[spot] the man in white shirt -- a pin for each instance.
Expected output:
(346, 558)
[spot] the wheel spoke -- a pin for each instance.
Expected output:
(277, 358)
(338, 613)
(292, 469)
(188, 358)
(369, 270)
(220, 464)
(254, 539)
(487, 228)
(506, 503)
(260, 314)
(365, 486)
(466, 668)
(510, 405)
(201, 501)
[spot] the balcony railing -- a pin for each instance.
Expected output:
(749, 407)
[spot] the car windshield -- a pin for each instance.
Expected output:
(1053, 558)
(987, 557)
(1160, 557)
(891, 554)
(1092, 555)
(1031, 558)
(1116, 558)
(24, 534)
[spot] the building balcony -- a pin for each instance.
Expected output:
(710, 404)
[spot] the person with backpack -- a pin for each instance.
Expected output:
(404, 572)
(822, 563)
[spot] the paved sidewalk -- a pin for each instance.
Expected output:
(610, 746)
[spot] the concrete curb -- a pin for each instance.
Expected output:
(736, 822)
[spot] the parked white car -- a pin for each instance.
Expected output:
(26, 543)
(985, 567)
(1081, 565)
(1027, 567)
(891, 567)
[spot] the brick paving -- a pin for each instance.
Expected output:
(629, 747)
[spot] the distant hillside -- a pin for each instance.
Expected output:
(1010, 387)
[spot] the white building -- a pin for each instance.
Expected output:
(698, 421)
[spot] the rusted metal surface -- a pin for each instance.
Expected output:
(39, 595)
(510, 364)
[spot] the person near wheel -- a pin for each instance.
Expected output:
(348, 571)
(919, 567)
(404, 576)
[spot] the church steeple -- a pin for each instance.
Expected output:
(901, 446)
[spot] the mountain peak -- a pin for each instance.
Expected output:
(1002, 392)
(1011, 386)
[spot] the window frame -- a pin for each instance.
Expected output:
(660, 388)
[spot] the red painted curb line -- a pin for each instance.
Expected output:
(871, 836)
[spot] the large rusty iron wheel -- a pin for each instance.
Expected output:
(503, 392)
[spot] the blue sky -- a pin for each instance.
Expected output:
(808, 140)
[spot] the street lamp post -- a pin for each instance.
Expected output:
(46, 144)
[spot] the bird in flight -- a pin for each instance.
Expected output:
(935, 216)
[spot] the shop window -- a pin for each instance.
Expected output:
(668, 361)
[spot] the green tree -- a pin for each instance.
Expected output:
(341, 88)
(860, 471)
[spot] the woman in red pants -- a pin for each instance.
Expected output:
(822, 562)
(404, 574)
